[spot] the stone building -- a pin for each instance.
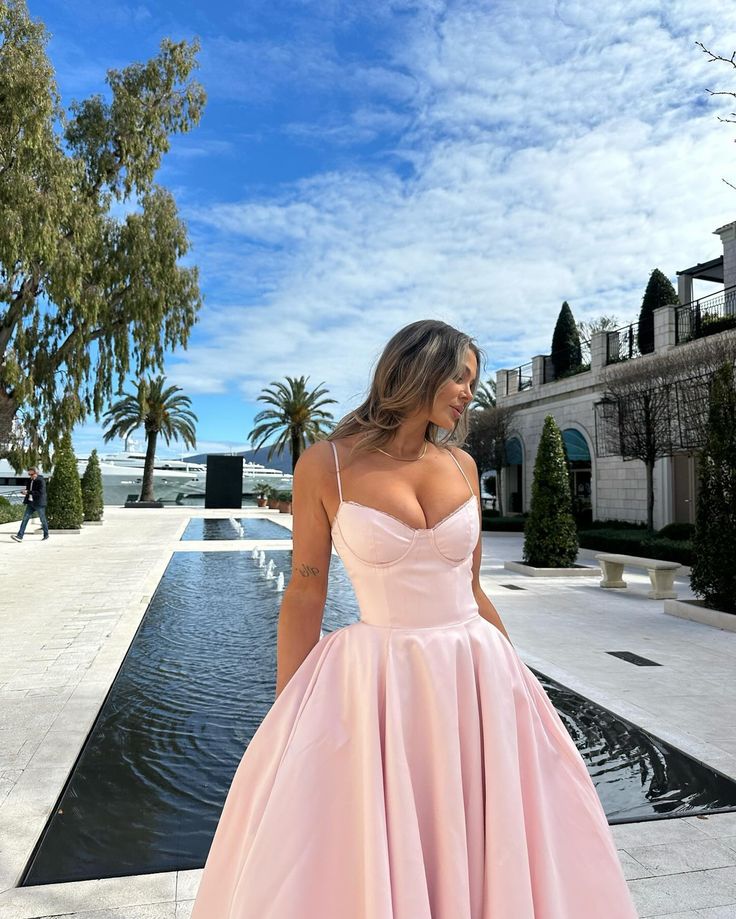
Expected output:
(615, 488)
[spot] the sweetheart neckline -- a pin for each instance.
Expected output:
(408, 526)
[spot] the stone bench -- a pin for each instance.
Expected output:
(661, 574)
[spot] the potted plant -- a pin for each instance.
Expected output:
(284, 502)
(263, 490)
(272, 499)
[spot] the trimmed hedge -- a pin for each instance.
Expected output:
(711, 325)
(626, 541)
(677, 531)
(615, 525)
(637, 542)
(669, 550)
(503, 524)
(9, 513)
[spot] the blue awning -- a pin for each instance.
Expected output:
(514, 454)
(576, 446)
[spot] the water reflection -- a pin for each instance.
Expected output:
(234, 528)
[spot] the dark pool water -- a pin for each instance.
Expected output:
(234, 528)
(148, 787)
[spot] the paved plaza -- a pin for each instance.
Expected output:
(69, 609)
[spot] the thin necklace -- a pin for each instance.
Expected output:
(403, 458)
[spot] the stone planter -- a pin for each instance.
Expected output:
(579, 571)
(273, 503)
(697, 611)
(93, 523)
(143, 504)
(71, 532)
(261, 502)
(284, 507)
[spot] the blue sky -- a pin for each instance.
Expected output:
(363, 165)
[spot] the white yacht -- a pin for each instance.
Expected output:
(256, 473)
(122, 477)
(11, 485)
(173, 479)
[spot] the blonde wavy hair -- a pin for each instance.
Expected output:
(414, 365)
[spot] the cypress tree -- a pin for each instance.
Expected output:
(550, 536)
(65, 510)
(714, 543)
(566, 353)
(92, 494)
(659, 292)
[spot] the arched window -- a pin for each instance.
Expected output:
(581, 472)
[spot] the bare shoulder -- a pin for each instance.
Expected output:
(314, 464)
(315, 455)
(466, 461)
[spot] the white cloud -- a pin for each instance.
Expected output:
(557, 152)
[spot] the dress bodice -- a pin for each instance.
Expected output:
(404, 576)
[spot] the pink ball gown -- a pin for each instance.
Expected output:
(413, 767)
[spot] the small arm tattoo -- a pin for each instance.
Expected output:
(306, 570)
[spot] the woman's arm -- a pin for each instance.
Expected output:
(485, 607)
(302, 606)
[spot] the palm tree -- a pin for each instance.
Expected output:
(160, 411)
(485, 395)
(297, 417)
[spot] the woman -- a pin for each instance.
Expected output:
(411, 766)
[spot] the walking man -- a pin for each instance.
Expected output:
(35, 503)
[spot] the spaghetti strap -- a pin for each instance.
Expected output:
(461, 470)
(337, 469)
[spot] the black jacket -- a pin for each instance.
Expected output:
(37, 491)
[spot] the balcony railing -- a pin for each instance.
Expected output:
(706, 316)
(519, 378)
(623, 344)
(560, 357)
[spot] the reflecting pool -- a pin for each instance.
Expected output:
(208, 528)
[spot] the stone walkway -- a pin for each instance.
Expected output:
(70, 607)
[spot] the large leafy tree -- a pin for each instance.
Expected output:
(158, 409)
(486, 442)
(86, 296)
(604, 323)
(729, 61)
(657, 406)
(296, 418)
